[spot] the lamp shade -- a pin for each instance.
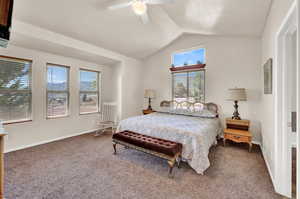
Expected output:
(149, 93)
(237, 94)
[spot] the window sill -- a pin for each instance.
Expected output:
(16, 122)
(57, 117)
(90, 113)
(188, 68)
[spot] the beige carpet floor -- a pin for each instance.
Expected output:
(83, 167)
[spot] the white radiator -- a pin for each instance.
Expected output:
(109, 112)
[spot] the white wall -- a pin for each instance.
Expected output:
(129, 88)
(277, 13)
(42, 129)
(231, 62)
(293, 83)
(132, 88)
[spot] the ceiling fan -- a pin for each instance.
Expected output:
(139, 7)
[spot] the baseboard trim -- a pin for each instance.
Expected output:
(268, 167)
(49, 141)
(266, 162)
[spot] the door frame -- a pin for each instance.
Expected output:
(298, 103)
(283, 159)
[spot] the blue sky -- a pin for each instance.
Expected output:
(190, 57)
(87, 76)
(57, 74)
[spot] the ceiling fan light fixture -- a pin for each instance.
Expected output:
(139, 7)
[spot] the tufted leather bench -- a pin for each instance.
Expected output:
(165, 149)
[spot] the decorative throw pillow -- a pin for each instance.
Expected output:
(199, 112)
(204, 113)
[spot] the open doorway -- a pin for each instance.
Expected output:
(286, 106)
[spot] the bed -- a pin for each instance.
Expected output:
(196, 134)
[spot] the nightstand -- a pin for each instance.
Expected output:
(148, 111)
(238, 131)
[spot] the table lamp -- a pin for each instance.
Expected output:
(150, 94)
(236, 94)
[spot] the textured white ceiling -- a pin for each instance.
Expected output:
(122, 31)
(220, 17)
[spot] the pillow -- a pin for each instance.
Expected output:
(164, 110)
(204, 114)
(181, 111)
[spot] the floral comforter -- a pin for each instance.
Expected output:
(196, 134)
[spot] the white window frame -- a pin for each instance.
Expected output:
(28, 91)
(187, 71)
(187, 86)
(98, 92)
(58, 91)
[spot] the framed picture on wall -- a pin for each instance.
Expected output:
(268, 77)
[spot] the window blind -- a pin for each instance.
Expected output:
(89, 91)
(15, 89)
(57, 91)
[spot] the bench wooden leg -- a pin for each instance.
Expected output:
(171, 165)
(115, 148)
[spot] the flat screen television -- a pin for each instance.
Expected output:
(6, 8)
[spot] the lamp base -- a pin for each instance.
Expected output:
(236, 115)
(149, 104)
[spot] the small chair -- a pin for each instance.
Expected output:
(108, 118)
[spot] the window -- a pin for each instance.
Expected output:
(189, 85)
(57, 91)
(89, 91)
(188, 58)
(15, 89)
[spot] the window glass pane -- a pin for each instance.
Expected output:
(189, 57)
(57, 78)
(15, 89)
(88, 80)
(15, 106)
(196, 86)
(89, 91)
(180, 86)
(57, 104)
(88, 102)
(14, 74)
(58, 91)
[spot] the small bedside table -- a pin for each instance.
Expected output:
(238, 131)
(147, 111)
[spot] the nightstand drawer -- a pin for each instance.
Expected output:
(238, 124)
(237, 138)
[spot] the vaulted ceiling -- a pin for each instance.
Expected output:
(122, 31)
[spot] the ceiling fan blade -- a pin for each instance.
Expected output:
(121, 5)
(159, 1)
(145, 18)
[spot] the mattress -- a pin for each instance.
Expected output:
(196, 134)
